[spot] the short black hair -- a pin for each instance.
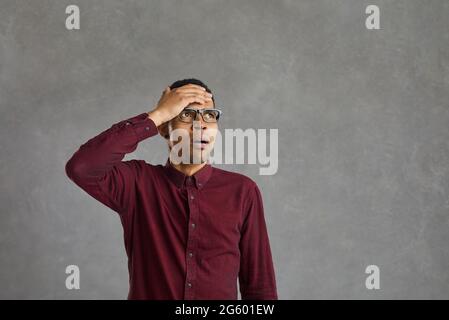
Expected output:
(180, 83)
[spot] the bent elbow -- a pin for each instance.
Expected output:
(74, 169)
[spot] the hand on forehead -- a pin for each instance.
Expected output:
(196, 105)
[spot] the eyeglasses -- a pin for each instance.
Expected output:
(188, 115)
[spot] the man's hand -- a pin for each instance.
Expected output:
(172, 102)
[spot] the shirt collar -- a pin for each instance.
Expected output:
(179, 179)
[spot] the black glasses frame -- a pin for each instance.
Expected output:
(200, 111)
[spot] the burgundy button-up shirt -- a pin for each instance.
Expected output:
(185, 237)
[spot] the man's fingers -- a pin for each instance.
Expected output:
(192, 90)
(200, 96)
(195, 98)
(204, 94)
(191, 93)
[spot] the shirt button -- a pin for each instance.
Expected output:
(128, 123)
(147, 128)
(192, 197)
(189, 284)
(190, 254)
(193, 225)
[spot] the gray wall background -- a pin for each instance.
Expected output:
(363, 119)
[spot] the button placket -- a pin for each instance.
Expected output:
(191, 245)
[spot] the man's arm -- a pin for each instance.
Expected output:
(97, 166)
(256, 277)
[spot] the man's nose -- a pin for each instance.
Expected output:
(199, 123)
(198, 117)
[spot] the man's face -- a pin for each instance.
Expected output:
(201, 134)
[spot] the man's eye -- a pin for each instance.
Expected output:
(186, 114)
(209, 115)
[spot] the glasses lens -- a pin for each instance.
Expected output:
(210, 115)
(187, 115)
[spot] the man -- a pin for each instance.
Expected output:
(190, 229)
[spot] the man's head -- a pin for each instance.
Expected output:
(196, 127)
(180, 83)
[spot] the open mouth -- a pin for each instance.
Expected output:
(201, 142)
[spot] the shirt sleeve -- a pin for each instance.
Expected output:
(97, 166)
(256, 276)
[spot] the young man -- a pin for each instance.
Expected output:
(190, 229)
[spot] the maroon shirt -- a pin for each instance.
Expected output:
(185, 237)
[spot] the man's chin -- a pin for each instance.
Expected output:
(199, 156)
(198, 159)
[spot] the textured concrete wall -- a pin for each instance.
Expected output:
(363, 119)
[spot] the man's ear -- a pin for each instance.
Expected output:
(163, 130)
